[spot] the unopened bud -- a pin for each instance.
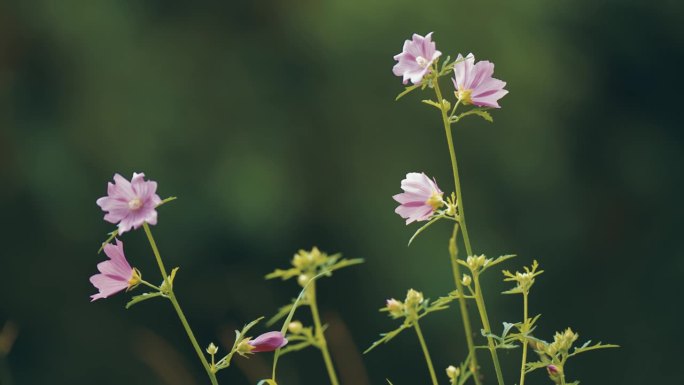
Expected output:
(212, 349)
(466, 281)
(453, 372)
(295, 327)
(413, 298)
(395, 308)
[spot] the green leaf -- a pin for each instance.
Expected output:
(586, 348)
(497, 261)
(476, 111)
(425, 226)
(284, 311)
(142, 297)
(406, 91)
(112, 235)
(386, 337)
(432, 103)
(344, 263)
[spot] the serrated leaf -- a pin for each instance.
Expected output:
(432, 103)
(586, 348)
(425, 226)
(142, 297)
(406, 91)
(112, 235)
(497, 261)
(476, 111)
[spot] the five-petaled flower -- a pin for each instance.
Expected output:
(420, 199)
(474, 82)
(116, 274)
(130, 204)
(415, 58)
(268, 342)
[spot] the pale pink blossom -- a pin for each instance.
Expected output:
(415, 58)
(130, 204)
(420, 199)
(268, 342)
(116, 274)
(474, 82)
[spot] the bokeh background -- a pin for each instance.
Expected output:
(274, 122)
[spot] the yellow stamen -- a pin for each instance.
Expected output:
(134, 204)
(435, 200)
(464, 96)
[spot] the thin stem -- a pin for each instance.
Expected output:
(454, 167)
(524, 348)
(320, 338)
(452, 247)
(453, 250)
(426, 353)
(155, 250)
(191, 336)
(176, 306)
(157, 288)
(482, 309)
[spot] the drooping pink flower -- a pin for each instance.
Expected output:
(268, 342)
(420, 199)
(130, 204)
(116, 274)
(415, 58)
(474, 82)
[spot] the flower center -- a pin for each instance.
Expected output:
(135, 204)
(421, 61)
(435, 200)
(464, 96)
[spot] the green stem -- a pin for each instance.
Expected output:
(172, 297)
(524, 348)
(426, 353)
(452, 247)
(155, 250)
(482, 309)
(453, 250)
(454, 167)
(320, 338)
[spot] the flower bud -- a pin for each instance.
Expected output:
(453, 372)
(395, 308)
(295, 327)
(268, 342)
(466, 281)
(212, 349)
(413, 298)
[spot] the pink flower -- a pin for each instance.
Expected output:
(415, 59)
(420, 199)
(268, 342)
(130, 204)
(115, 274)
(474, 82)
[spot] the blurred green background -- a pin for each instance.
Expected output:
(274, 122)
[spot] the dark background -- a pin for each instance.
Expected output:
(274, 123)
